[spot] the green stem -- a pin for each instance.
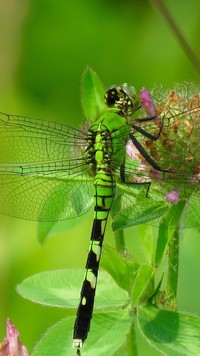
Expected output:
(130, 347)
(173, 269)
(119, 240)
(158, 4)
(168, 239)
(131, 343)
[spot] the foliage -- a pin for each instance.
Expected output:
(44, 48)
(129, 296)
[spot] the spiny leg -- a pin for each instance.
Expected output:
(123, 179)
(148, 134)
(144, 153)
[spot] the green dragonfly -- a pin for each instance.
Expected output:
(133, 167)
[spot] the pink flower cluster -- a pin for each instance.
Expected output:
(11, 346)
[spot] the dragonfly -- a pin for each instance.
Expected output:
(133, 167)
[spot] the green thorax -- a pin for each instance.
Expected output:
(107, 139)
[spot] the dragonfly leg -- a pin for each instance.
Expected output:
(122, 172)
(148, 134)
(148, 189)
(123, 179)
(144, 153)
(146, 118)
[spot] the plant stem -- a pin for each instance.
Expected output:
(179, 35)
(131, 343)
(119, 240)
(130, 348)
(168, 238)
(173, 269)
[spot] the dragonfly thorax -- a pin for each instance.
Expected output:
(99, 151)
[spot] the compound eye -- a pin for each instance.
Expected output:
(112, 96)
(122, 99)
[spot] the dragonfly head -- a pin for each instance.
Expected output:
(122, 98)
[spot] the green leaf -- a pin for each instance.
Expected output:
(92, 95)
(61, 289)
(108, 333)
(121, 267)
(123, 220)
(168, 225)
(142, 281)
(57, 340)
(146, 236)
(79, 198)
(192, 205)
(68, 209)
(169, 332)
(48, 230)
(132, 207)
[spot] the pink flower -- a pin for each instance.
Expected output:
(132, 151)
(173, 197)
(11, 346)
(147, 102)
(134, 154)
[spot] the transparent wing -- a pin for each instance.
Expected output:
(27, 140)
(147, 203)
(48, 180)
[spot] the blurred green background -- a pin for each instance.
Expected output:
(44, 47)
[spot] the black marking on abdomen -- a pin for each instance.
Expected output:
(85, 309)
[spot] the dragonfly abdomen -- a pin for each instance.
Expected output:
(104, 188)
(103, 200)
